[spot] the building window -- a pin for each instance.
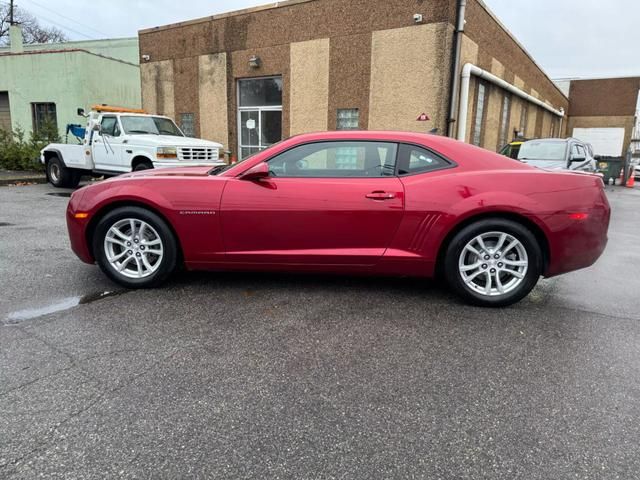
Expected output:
(524, 114)
(504, 121)
(553, 133)
(348, 119)
(5, 112)
(259, 114)
(44, 118)
(187, 124)
(481, 96)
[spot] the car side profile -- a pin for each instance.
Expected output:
(380, 203)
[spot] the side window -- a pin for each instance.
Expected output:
(577, 150)
(108, 126)
(335, 160)
(414, 159)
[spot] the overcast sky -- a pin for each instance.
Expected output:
(581, 38)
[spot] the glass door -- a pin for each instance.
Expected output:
(259, 114)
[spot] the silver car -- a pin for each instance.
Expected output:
(558, 154)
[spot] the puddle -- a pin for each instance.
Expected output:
(6, 224)
(65, 304)
(60, 194)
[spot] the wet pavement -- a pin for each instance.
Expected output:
(276, 376)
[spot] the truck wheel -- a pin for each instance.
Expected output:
(60, 176)
(142, 166)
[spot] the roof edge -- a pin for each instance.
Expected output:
(233, 13)
(517, 42)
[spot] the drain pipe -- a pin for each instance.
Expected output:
(470, 69)
(454, 84)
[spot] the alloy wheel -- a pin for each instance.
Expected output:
(493, 263)
(133, 248)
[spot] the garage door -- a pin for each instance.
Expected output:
(5, 113)
(605, 141)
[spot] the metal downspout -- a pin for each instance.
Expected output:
(454, 83)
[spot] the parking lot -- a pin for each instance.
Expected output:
(276, 376)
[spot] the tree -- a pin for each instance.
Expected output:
(32, 31)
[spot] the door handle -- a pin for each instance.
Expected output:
(379, 195)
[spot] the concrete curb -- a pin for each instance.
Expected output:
(22, 178)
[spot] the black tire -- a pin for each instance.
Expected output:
(455, 248)
(167, 263)
(143, 166)
(60, 176)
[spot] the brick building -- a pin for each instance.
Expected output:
(251, 77)
(603, 112)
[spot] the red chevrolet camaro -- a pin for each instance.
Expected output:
(383, 203)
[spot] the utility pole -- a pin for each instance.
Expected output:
(11, 12)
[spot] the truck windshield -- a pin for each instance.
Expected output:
(154, 125)
(542, 151)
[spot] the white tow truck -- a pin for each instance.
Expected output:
(119, 140)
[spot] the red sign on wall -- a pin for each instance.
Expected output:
(423, 118)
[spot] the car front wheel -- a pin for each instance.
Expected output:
(135, 247)
(493, 262)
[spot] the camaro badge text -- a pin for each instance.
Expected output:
(197, 212)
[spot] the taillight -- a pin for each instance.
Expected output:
(579, 216)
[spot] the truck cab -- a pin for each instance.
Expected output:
(119, 140)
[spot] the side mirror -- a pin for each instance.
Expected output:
(81, 112)
(257, 172)
(577, 159)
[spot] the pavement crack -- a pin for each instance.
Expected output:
(52, 431)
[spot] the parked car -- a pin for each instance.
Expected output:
(558, 153)
(511, 149)
(384, 203)
(119, 140)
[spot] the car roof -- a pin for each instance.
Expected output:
(459, 152)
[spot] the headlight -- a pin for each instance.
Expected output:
(167, 152)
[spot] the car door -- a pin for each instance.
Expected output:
(578, 158)
(108, 145)
(324, 203)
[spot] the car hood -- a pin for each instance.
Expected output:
(171, 141)
(171, 172)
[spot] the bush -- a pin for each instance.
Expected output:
(19, 153)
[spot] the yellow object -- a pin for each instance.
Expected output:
(113, 109)
(81, 215)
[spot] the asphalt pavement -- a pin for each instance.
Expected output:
(310, 377)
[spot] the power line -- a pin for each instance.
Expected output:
(59, 25)
(68, 18)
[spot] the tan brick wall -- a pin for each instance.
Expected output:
(212, 94)
(408, 77)
(157, 87)
(309, 91)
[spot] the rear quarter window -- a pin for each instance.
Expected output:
(413, 159)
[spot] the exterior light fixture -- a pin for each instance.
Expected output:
(146, 58)
(254, 61)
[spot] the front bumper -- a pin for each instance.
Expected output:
(180, 164)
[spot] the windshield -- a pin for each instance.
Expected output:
(154, 125)
(542, 151)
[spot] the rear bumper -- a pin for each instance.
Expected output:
(577, 244)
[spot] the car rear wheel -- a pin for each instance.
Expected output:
(60, 176)
(135, 247)
(493, 262)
